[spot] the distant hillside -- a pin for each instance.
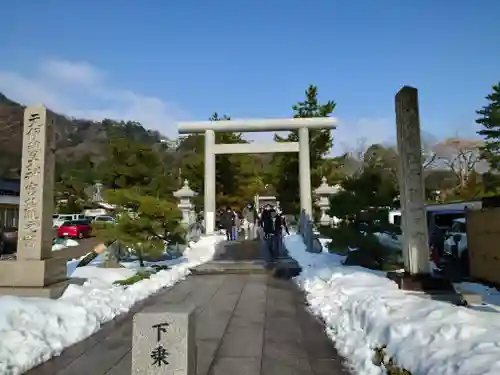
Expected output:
(74, 137)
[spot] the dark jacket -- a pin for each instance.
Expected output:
(228, 220)
(266, 214)
(284, 224)
(270, 225)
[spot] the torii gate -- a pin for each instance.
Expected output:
(256, 126)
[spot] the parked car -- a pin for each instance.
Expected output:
(59, 219)
(74, 229)
(8, 240)
(455, 244)
(104, 219)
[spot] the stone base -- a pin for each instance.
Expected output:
(427, 286)
(53, 291)
(32, 273)
(420, 283)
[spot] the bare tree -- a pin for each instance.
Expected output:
(354, 156)
(459, 155)
(428, 143)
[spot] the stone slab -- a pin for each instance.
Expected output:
(423, 282)
(32, 273)
(472, 298)
(53, 291)
(164, 341)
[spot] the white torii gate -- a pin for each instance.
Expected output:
(258, 125)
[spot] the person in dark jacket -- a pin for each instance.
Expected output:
(265, 214)
(228, 222)
(272, 228)
(283, 223)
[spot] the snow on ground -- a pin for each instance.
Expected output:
(324, 243)
(363, 309)
(33, 330)
(63, 244)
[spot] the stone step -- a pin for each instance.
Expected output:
(247, 267)
(238, 250)
(230, 267)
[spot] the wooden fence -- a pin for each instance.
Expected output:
(483, 237)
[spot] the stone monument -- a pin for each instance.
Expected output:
(411, 183)
(35, 272)
(164, 341)
(185, 205)
(417, 275)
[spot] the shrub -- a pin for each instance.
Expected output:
(141, 275)
(380, 359)
(370, 253)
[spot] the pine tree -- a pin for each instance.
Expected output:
(286, 180)
(227, 169)
(490, 121)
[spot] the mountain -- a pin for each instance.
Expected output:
(75, 138)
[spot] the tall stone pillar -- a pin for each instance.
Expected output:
(209, 182)
(305, 172)
(35, 272)
(411, 183)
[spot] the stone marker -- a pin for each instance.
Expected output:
(164, 341)
(411, 183)
(35, 272)
(417, 277)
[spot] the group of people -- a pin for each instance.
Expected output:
(267, 225)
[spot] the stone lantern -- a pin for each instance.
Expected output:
(185, 205)
(324, 192)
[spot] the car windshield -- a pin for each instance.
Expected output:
(67, 224)
(459, 227)
(80, 222)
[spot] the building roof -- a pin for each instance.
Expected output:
(10, 185)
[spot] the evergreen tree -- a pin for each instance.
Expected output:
(490, 121)
(152, 223)
(228, 168)
(130, 164)
(286, 180)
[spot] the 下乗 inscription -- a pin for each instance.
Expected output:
(159, 354)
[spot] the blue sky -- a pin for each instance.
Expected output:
(163, 61)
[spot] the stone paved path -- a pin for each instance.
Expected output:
(247, 323)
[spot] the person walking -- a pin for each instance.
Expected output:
(249, 220)
(228, 222)
(236, 227)
(283, 229)
(272, 229)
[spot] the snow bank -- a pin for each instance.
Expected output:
(33, 330)
(362, 310)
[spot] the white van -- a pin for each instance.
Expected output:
(58, 219)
